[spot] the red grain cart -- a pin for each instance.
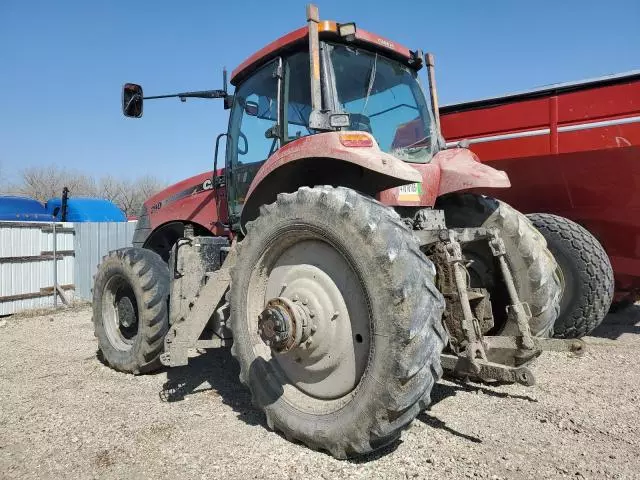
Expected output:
(570, 149)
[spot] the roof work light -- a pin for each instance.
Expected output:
(347, 30)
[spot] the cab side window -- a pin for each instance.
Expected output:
(297, 96)
(254, 114)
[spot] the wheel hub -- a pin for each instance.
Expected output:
(126, 312)
(283, 325)
(314, 299)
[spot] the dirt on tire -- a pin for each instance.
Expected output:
(403, 311)
(144, 278)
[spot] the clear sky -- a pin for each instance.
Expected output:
(62, 65)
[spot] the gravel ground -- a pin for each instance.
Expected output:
(64, 414)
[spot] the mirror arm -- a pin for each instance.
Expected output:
(183, 96)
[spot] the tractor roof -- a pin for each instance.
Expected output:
(328, 30)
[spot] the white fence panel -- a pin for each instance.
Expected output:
(92, 242)
(27, 262)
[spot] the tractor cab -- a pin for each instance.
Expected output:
(326, 77)
(362, 90)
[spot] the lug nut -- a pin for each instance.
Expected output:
(305, 301)
(314, 328)
(312, 313)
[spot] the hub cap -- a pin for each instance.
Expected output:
(126, 312)
(120, 313)
(283, 325)
(312, 318)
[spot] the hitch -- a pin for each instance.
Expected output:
(486, 370)
(474, 355)
(509, 373)
(475, 348)
(517, 309)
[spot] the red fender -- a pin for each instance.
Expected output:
(449, 171)
(322, 159)
(460, 169)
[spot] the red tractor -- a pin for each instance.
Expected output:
(345, 266)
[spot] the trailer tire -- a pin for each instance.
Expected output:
(536, 274)
(587, 272)
(130, 309)
(390, 307)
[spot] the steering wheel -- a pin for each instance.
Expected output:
(246, 144)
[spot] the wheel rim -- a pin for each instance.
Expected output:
(120, 313)
(312, 275)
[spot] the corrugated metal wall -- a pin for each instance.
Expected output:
(26, 264)
(26, 260)
(92, 242)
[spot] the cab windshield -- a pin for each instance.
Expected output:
(384, 98)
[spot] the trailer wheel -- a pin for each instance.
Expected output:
(587, 272)
(130, 315)
(336, 284)
(536, 274)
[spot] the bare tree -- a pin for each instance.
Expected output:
(129, 195)
(149, 186)
(43, 183)
(128, 200)
(109, 188)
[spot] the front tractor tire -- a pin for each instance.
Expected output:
(587, 272)
(130, 315)
(336, 320)
(536, 274)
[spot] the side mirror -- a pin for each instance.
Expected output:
(132, 100)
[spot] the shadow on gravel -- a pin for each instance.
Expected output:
(375, 455)
(441, 391)
(439, 424)
(626, 320)
(214, 371)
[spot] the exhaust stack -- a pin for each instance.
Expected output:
(313, 19)
(433, 93)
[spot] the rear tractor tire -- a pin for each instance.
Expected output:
(130, 315)
(336, 320)
(587, 272)
(536, 275)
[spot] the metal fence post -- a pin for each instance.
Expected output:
(55, 268)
